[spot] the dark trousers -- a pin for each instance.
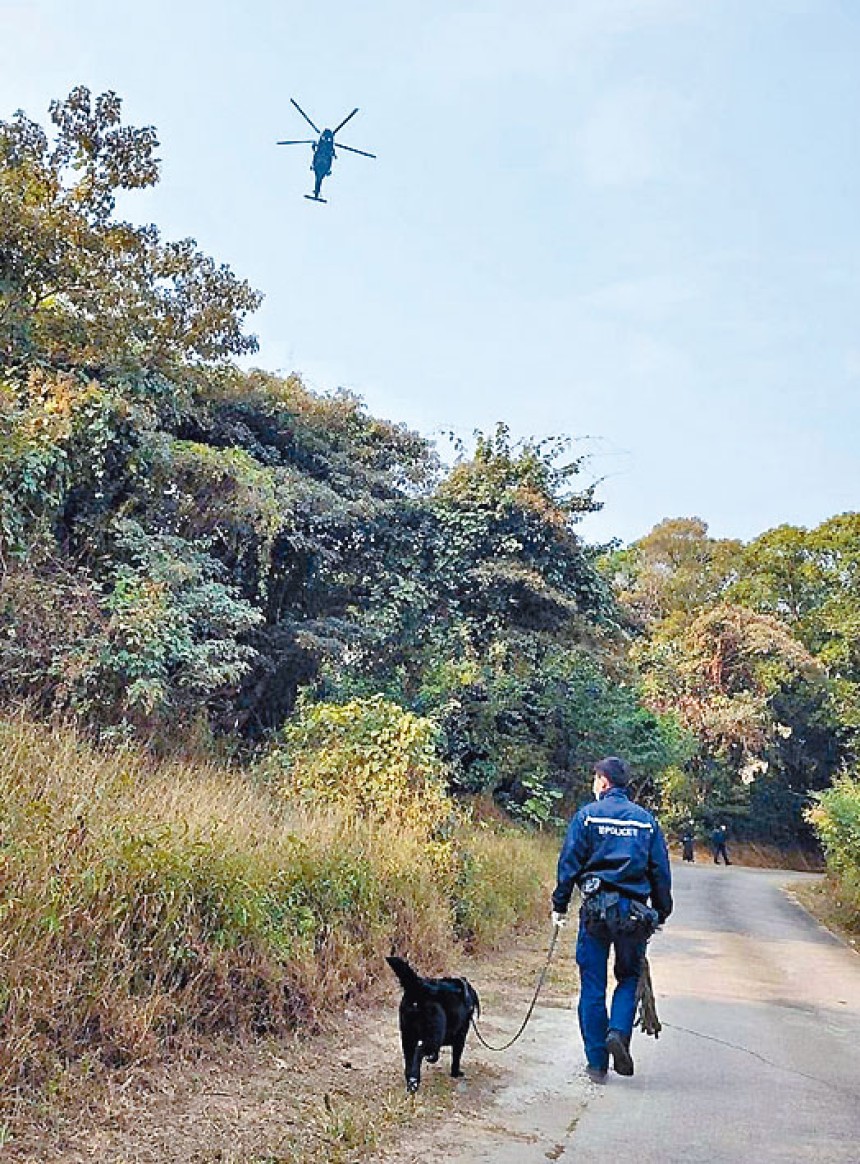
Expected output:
(592, 957)
(720, 851)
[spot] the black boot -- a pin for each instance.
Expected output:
(618, 1046)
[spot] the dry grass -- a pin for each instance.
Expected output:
(332, 1098)
(826, 902)
(148, 908)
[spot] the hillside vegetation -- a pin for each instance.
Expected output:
(148, 906)
(186, 546)
(359, 641)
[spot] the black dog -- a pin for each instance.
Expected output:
(434, 1013)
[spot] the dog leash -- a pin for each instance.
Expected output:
(529, 1012)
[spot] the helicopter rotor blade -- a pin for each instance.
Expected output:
(307, 141)
(305, 116)
(345, 120)
(353, 150)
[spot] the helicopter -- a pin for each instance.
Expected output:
(324, 153)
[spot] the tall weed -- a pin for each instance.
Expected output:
(145, 907)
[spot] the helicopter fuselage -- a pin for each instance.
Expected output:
(323, 149)
(324, 155)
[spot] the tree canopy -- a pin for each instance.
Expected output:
(83, 290)
(753, 646)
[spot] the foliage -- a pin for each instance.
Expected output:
(726, 676)
(720, 672)
(46, 619)
(674, 570)
(509, 548)
(369, 757)
(173, 628)
(518, 725)
(752, 647)
(811, 578)
(486, 593)
(103, 329)
(155, 647)
(836, 818)
(83, 290)
(541, 800)
(72, 449)
(145, 907)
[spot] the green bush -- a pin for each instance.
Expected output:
(152, 648)
(836, 818)
(367, 756)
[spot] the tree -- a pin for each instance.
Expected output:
(721, 672)
(508, 544)
(675, 570)
(744, 686)
(79, 289)
(782, 574)
(811, 578)
(153, 648)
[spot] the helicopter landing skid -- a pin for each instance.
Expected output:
(314, 198)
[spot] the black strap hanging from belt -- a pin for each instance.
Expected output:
(646, 1016)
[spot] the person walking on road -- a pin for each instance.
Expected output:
(688, 841)
(718, 840)
(615, 852)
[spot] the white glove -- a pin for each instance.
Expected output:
(559, 919)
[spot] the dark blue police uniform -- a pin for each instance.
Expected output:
(620, 843)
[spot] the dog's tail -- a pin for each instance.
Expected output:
(471, 996)
(409, 980)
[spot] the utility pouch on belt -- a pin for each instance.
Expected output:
(604, 916)
(642, 919)
(601, 911)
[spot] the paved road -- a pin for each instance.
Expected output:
(740, 963)
(759, 1059)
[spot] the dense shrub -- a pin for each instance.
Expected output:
(157, 647)
(836, 818)
(367, 756)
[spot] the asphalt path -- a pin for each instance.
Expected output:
(759, 1058)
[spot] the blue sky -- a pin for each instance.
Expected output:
(629, 221)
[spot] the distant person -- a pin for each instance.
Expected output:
(718, 840)
(615, 852)
(688, 842)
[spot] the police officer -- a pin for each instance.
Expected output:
(718, 841)
(616, 853)
(688, 841)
